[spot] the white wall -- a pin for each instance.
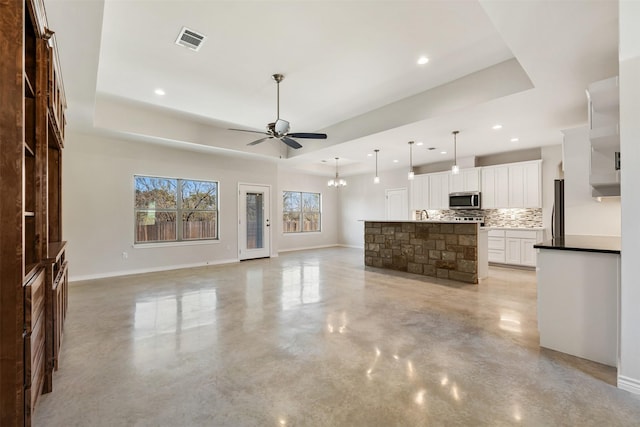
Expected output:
(98, 220)
(293, 181)
(362, 199)
(584, 215)
(629, 368)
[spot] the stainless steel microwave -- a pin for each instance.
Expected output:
(466, 200)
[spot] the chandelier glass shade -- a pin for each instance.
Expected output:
(337, 181)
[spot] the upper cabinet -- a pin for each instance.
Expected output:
(604, 116)
(466, 180)
(515, 185)
(439, 190)
(495, 187)
(420, 192)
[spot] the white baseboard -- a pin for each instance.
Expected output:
(306, 248)
(629, 384)
(149, 270)
(351, 246)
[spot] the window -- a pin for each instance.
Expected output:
(300, 212)
(172, 210)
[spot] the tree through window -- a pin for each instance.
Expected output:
(170, 210)
(300, 212)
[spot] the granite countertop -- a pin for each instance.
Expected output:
(601, 244)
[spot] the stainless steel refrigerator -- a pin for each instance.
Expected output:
(557, 214)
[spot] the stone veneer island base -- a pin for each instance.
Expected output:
(446, 250)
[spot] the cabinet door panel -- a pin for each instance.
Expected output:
(516, 186)
(471, 180)
(512, 254)
(527, 252)
(457, 182)
(502, 187)
(417, 202)
(496, 256)
(531, 185)
(488, 196)
(439, 191)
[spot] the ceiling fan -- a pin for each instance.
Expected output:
(280, 128)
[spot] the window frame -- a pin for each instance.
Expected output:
(301, 212)
(179, 211)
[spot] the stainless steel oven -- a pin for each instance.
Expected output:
(466, 200)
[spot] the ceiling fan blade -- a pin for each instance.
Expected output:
(290, 142)
(259, 140)
(252, 131)
(308, 135)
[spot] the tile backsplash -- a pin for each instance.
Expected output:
(524, 218)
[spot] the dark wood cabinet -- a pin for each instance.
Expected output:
(33, 266)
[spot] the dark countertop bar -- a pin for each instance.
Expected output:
(601, 244)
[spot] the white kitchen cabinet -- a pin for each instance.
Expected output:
(513, 246)
(439, 190)
(524, 185)
(528, 252)
(496, 246)
(514, 185)
(495, 187)
(512, 251)
(465, 180)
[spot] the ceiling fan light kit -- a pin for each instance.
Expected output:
(279, 129)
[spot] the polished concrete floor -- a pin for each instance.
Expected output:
(313, 338)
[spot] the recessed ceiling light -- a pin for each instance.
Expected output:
(496, 127)
(369, 155)
(423, 60)
(159, 91)
(395, 161)
(419, 143)
(443, 152)
(514, 140)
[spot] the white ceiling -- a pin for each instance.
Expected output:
(350, 71)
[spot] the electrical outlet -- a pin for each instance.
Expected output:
(125, 255)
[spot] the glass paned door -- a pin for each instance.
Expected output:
(254, 224)
(254, 220)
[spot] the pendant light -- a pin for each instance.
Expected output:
(337, 182)
(411, 174)
(376, 179)
(455, 169)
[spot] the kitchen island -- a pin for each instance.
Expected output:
(578, 296)
(442, 249)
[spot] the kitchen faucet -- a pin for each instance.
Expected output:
(424, 215)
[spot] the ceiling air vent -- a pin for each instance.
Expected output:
(190, 39)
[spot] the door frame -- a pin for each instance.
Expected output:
(269, 236)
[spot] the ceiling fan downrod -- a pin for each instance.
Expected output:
(278, 78)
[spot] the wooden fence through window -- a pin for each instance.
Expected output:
(166, 231)
(294, 226)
